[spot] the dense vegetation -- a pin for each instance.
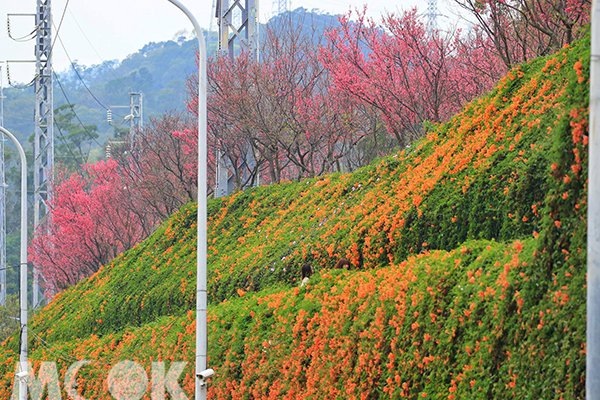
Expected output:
(158, 70)
(468, 251)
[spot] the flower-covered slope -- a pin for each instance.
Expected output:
(469, 269)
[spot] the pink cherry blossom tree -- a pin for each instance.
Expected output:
(409, 75)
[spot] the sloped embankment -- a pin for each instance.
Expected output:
(472, 249)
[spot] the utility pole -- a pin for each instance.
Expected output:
(2, 202)
(281, 6)
(592, 373)
(3, 263)
(135, 116)
(238, 26)
(43, 146)
(432, 14)
(212, 20)
(238, 31)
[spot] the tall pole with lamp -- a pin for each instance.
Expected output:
(22, 375)
(592, 384)
(202, 373)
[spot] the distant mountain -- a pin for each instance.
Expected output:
(158, 70)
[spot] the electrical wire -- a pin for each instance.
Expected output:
(62, 89)
(25, 38)
(62, 17)
(9, 267)
(14, 85)
(79, 75)
(65, 141)
(21, 327)
(58, 354)
(100, 58)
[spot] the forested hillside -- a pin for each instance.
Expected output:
(467, 276)
(158, 70)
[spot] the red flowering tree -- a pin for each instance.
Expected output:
(112, 205)
(90, 224)
(408, 74)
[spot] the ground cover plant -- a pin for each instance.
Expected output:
(467, 279)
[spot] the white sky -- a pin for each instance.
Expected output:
(95, 31)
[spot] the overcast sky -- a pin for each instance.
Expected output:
(95, 31)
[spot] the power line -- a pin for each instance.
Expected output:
(58, 354)
(15, 85)
(79, 75)
(62, 89)
(85, 35)
(9, 267)
(65, 141)
(62, 17)
(24, 38)
(100, 58)
(20, 39)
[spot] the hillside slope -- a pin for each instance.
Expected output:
(471, 250)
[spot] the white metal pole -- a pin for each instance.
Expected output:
(201, 300)
(592, 381)
(23, 266)
(3, 288)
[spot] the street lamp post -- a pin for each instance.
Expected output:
(592, 385)
(201, 301)
(23, 269)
